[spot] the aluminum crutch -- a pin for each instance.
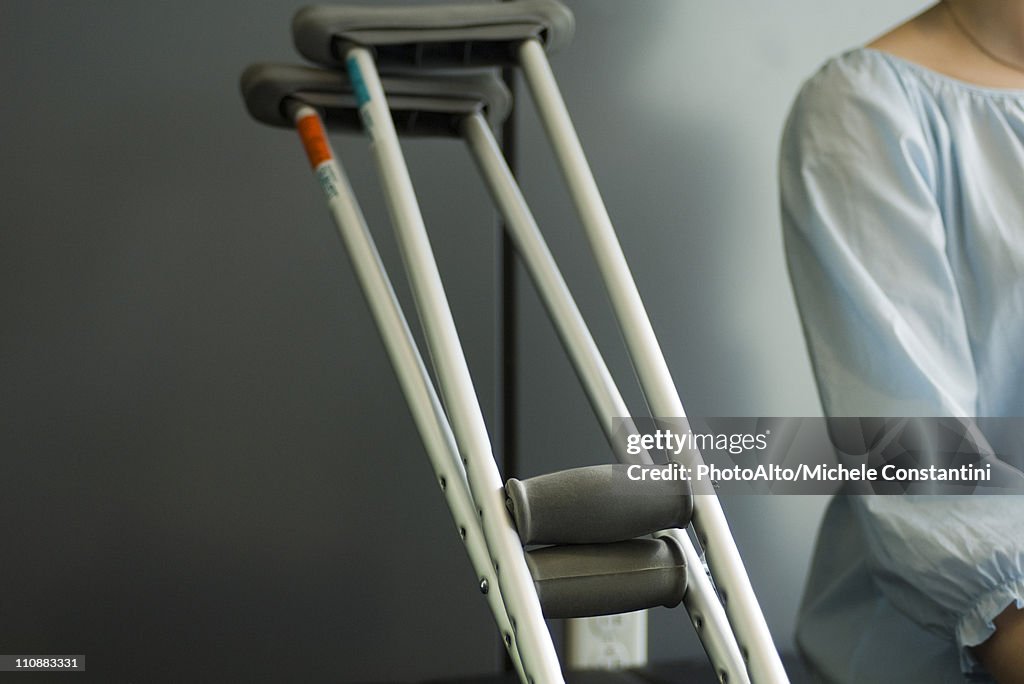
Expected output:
(512, 32)
(277, 95)
(712, 528)
(705, 611)
(539, 660)
(577, 580)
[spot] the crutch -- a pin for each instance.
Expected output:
(702, 605)
(268, 86)
(573, 581)
(517, 33)
(288, 96)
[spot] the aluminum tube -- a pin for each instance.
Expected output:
(408, 364)
(708, 616)
(540, 661)
(709, 521)
(579, 344)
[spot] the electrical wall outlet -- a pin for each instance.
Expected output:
(608, 642)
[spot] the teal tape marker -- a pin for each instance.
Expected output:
(356, 76)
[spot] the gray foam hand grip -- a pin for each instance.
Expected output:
(595, 504)
(605, 579)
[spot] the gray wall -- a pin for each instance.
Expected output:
(206, 461)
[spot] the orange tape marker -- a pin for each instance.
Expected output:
(311, 131)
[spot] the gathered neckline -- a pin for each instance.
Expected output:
(941, 77)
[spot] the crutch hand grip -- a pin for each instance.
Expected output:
(606, 579)
(594, 505)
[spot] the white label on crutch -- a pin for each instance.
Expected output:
(328, 177)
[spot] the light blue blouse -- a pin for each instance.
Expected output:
(903, 212)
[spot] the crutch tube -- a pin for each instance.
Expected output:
(540, 662)
(586, 358)
(708, 616)
(700, 599)
(709, 521)
(405, 357)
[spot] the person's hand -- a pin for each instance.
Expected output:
(1003, 653)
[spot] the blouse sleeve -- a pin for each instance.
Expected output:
(866, 248)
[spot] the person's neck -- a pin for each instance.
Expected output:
(997, 24)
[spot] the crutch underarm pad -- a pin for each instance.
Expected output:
(420, 105)
(595, 504)
(605, 579)
(481, 34)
